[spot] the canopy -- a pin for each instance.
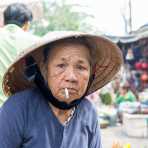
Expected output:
(141, 33)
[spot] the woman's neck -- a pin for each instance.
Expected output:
(62, 115)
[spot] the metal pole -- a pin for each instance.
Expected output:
(130, 16)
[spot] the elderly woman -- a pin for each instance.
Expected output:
(47, 85)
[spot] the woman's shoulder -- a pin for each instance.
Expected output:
(88, 110)
(87, 105)
(22, 99)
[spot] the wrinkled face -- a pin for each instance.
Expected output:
(68, 67)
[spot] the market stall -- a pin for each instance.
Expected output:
(135, 52)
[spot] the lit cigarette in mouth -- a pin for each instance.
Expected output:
(66, 93)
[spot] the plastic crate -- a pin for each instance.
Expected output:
(135, 125)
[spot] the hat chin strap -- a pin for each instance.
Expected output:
(39, 81)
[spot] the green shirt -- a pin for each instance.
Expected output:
(129, 96)
(12, 41)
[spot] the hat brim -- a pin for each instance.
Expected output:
(108, 60)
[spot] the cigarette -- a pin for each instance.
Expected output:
(66, 93)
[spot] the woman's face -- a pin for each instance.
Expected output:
(68, 67)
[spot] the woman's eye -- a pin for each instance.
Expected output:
(61, 65)
(81, 67)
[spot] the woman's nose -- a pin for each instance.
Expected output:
(71, 75)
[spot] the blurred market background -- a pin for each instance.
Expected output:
(122, 105)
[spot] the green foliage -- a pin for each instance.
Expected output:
(106, 98)
(60, 17)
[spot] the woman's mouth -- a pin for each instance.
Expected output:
(71, 90)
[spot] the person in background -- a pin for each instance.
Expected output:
(14, 36)
(124, 94)
(18, 14)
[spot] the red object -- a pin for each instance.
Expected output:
(144, 77)
(144, 65)
(138, 65)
